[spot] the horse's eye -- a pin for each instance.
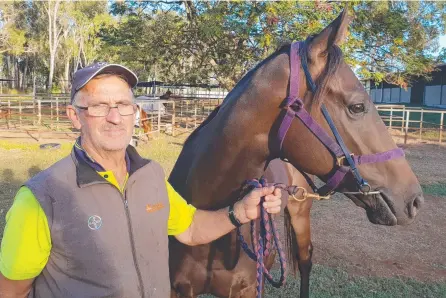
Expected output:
(357, 108)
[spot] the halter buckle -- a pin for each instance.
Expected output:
(340, 160)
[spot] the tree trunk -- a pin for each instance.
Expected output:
(54, 38)
(34, 83)
(66, 79)
(25, 74)
(17, 72)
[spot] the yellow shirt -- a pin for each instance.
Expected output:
(26, 243)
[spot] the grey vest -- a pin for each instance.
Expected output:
(104, 244)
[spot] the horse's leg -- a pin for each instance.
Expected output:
(297, 219)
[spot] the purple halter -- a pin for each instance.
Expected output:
(295, 108)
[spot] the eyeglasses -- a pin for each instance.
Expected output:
(103, 110)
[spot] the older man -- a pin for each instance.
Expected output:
(95, 224)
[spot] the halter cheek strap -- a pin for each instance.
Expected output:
(293, 107)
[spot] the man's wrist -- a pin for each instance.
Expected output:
(233, 217)
(239, 212)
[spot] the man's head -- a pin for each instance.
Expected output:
(102, 106)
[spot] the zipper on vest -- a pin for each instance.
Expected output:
(132, 243)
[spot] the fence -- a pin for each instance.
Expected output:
(42, 114)
(414, 122)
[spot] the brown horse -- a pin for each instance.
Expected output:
(239, 138)
(144, 121)
(6, 114)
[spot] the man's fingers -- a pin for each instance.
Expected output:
(273, 203)
(263, 191)
(273, 210)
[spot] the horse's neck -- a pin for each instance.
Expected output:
(220, 160)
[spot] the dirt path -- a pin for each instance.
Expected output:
(343, 237)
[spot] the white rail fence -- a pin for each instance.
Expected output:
(414, 122)
(41, 114)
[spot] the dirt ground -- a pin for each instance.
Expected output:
(344, 238)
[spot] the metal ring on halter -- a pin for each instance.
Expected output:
(307, 195)
(365, 187)
(362, 191)
(340, 160)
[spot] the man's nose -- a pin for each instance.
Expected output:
(114, 116)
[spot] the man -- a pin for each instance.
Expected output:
(95, 224)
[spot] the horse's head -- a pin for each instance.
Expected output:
(385, 186)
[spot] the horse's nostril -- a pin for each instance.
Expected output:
(416, 205)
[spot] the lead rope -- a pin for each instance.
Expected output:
(262, 243)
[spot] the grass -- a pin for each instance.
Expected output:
(21, 160)
(329, 282)
(326, 282)
(435, 189)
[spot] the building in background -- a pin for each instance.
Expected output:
(431, 93)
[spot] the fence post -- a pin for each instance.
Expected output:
(391, 117)
(173, 119)
(34, 110)
(195, 115)
(159, 117)
(57, 113)
(8, 115)
(421, 124)
(39, 112)
(407, 126)
(20, 112)
(441, 126)
(51, 113)
(402, 119)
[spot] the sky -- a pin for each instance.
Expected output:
(443, 41)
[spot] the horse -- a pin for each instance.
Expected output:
(5, 113)
(300, 111)
(143, 121)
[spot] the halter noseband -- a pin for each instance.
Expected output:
(295, 108)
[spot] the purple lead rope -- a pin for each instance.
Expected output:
(262, 243)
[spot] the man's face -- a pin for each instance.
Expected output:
(112, 132)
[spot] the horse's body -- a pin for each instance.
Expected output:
(6, 114)
(238, 140)
(143, 121)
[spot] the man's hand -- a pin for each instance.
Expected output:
(249, 207)
(210, 225)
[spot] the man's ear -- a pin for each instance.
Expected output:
(73, 116)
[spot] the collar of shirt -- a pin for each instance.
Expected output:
(82, 154)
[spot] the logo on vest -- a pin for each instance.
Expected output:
(153, 208)
(94, 222)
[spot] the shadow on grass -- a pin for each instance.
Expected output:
(327, 282)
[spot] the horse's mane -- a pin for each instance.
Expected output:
(241, 83)
(333, 62)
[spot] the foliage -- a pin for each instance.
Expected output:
(214, 42)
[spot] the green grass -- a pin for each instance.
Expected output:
(326, 282)
(435, 189)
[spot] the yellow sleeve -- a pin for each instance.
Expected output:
(181, 214)
(26, 242)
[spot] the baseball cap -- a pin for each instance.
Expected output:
(84, 75)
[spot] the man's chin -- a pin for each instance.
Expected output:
(113, 144)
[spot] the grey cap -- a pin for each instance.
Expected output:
(84, 75)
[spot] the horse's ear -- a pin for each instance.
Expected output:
(334, 33)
